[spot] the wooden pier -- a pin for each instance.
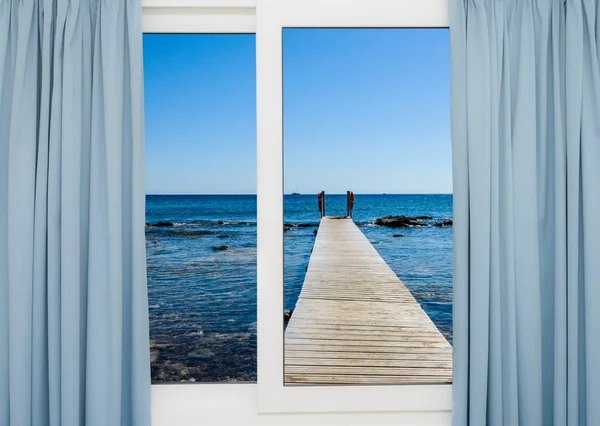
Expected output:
(356, 323)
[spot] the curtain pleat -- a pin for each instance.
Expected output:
(526, 153)
(73, 301)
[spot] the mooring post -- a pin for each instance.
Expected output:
(322, 203)
(349, 202)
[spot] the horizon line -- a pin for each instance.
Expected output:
(315, 193)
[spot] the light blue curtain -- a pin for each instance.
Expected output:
(526, 152)
(73, 303)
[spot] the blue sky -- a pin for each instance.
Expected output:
(364, 110)
(200, 113)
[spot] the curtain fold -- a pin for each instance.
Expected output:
(73, 303)
(526, 153)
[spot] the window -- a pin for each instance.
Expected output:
(273, 19)
(175, 404)
(200, 119)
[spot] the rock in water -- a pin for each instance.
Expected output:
(447, 222)
(154, 354)
(220, 248)
(398, 235)
(287, 314)
(398, 222)
(163, 224)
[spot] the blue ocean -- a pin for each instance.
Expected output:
(201, 257)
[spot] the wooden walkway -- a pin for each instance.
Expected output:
(356, 323)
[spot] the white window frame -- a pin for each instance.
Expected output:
(272, 17)
(269, 401)
(199, 16)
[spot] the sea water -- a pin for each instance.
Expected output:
(202, 272)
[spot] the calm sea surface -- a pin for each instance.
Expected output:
(203, 300)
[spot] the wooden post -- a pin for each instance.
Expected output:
(349, 203)
(320, 197)
(348, 213)
(322, 203)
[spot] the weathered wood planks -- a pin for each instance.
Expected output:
(356, 323)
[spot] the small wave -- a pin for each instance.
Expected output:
(222, 222)
(233, 222)
(167, 224)
(365, 224)
(171, 316)
(301, 225)
(229, 337)
(194, 233)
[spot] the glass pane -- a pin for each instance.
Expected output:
(201, 206)
(369, 286)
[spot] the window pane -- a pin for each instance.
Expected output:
(201, 206)
(367, 111)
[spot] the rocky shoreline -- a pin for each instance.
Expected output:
(203, 360)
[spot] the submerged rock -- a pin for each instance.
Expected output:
(171, 372)
(224, 236)
(398, 235)
(163, 224)
(201, 353)
(219, 248)
(447, 222)
(154, 354)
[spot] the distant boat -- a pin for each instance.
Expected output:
(295, 193)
